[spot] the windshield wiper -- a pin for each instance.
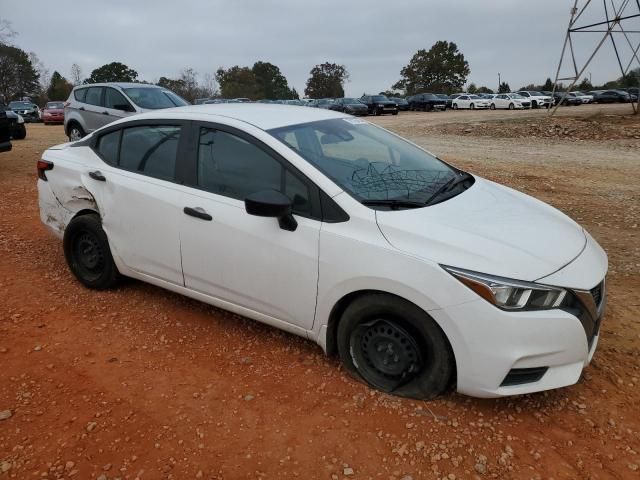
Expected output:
(393, 204)
(448, 186)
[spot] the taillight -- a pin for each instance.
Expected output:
(43, 166)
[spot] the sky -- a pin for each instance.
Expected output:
(519, 39)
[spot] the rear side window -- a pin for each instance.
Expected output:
(114, 99)
(151, 150)
(108, 146)
(94, 96)
(80, 94)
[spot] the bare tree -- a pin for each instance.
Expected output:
(41, 70)
(6, 31)
(209, 85)
(76, 74)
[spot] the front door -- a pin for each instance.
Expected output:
(246, 260)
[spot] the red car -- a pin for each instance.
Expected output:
(53, 112)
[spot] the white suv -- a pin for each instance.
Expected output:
(537, 99)
(92, 106)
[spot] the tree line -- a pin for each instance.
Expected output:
(441, 69)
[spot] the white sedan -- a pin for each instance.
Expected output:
(510, 101)
(471, 102)
(420, 276)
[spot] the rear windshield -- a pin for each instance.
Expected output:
(154, 98)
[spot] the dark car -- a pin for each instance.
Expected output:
(446, 98)
(27, 110)
(614, 96)
(5, 140)
(402, 103)
(426, 102)
(352, 106)
(17, 129)
(379, 104)
(564, 98)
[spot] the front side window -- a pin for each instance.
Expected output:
(115, 100)
(233, 167)
(367, 161)
(151, 150)
(154, 98)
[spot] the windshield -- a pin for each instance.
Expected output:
(20, 105)
(537, 94)
(154, 98)
(474, 96)
(515, 95)
(367, 161)
(379, 98)
(351, 101)
(53, 105)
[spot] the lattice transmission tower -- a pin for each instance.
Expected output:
(618, 21)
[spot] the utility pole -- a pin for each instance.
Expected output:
(499, 82)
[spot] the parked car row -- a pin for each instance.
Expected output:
(15, 123)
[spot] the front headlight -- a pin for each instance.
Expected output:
(510, 294)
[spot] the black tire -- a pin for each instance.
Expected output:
(493, 106)
(512, 106)
(86, 249)
(75, 132)
(455, 106)
(377, 112)
(472, 107)
(394, 113)
(20, 132)
(534, 104)
(414, 358)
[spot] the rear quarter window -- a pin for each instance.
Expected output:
(80, 94)
(108, 147)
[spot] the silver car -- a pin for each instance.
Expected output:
(92, 106)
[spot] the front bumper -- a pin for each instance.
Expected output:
(489, 343)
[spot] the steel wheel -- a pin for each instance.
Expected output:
(387, 355)
(75, 133)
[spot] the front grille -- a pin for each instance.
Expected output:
(525, 104)
(596, 293)
(520, 376)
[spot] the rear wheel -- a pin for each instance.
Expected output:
(86, 249)
(20, 132)
(75, 132)
(395, 347)
(472, 106)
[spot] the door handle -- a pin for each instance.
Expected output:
(105, 113)
(198, 213)
(81, 108)
(97, 175)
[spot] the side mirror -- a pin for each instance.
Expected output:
(274, 204)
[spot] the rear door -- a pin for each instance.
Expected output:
(246, 260)
(92, 110)
(138, 197)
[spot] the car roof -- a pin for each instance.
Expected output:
(265, 116)
(119, 84)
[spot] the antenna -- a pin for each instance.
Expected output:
(620, 19)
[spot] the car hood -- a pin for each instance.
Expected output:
(488, 228)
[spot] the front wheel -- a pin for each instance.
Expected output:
(395, 347)
(493, 106)
(455, 106)
(86, 249)
(472, 106)
(511, 106)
